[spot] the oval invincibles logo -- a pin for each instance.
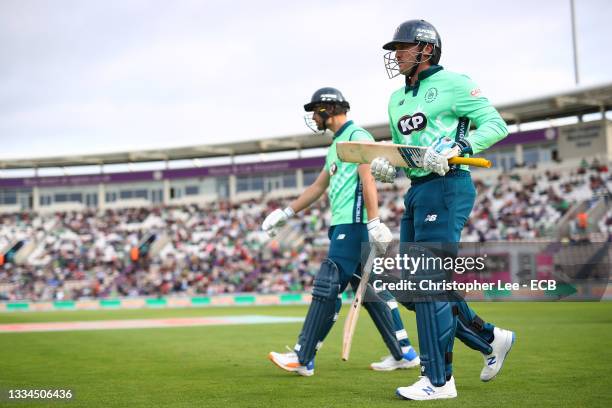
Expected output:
(431, 95)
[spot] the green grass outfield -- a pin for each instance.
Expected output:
(562, 357)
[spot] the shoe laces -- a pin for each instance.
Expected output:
(291, 351)
(423, 380)
(388, 358)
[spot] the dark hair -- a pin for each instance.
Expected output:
(435, 57)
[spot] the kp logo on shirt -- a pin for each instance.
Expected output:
(412, 123)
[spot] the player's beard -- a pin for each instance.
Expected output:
(321, 126)
(408, 68)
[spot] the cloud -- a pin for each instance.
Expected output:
(84, 77)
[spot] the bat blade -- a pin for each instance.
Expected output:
(353, 315)
(398, 155)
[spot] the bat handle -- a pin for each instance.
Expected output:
(471, 161)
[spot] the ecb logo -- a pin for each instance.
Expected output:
(408, 124)
(332, 169)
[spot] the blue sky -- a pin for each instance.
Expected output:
(101, 76)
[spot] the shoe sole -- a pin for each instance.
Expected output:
(503, 359)
(444, 396)
(396, 368)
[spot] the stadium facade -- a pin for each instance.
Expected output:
(239, 181)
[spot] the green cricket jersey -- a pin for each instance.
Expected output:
(443, 103)
(345, 189)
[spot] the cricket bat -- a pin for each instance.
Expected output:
(351, 319)
(398, 155)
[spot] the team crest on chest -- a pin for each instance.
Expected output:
(411, 123)
(333, 169)
(431, 95)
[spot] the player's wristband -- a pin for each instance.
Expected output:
(289, 212)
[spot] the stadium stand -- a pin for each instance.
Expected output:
(196, 230)
(219, 248)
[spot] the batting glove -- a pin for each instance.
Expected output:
(276, 219)
(437, 155)
(379, 234)
(382, 170)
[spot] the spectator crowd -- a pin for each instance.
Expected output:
(219, 248)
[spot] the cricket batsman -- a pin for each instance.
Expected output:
(354, 206)
(435, 108)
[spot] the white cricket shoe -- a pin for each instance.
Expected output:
(290, 362)
(389, 363)
(424, 390)
(501, 345)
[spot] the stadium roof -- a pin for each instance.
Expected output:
(304, 141)
(577, 102)
(574, 103)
